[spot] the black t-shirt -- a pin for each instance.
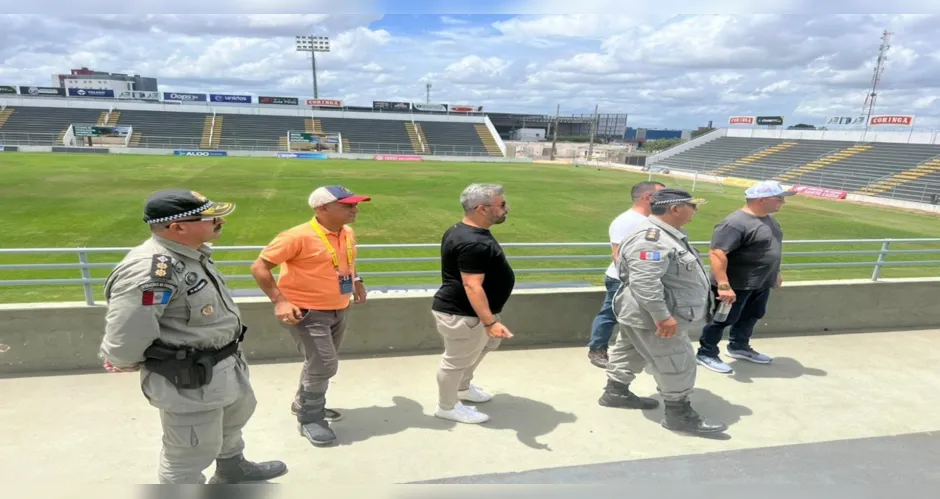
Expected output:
(473, 250)
(754, 246)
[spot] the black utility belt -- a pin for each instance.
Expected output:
(188, 367)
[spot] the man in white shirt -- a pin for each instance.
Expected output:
(621, 227)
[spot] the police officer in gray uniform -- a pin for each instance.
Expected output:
(666, 294)
(171, 316)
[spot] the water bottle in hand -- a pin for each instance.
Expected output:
(723, 312)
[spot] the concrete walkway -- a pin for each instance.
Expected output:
(546, 424)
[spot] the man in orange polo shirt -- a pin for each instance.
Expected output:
(318, 277)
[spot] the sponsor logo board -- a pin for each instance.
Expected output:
(397, 157)
(819, 192)
(891, 120)
(324, 102)
(199, 153)
(741, 120)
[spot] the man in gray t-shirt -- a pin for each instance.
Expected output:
(745, 257)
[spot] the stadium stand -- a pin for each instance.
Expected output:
(257, 132)
(456, 139)
(44, 126)
(370, 136)
(160, 129)
(896, 170)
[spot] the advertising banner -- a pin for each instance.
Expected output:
(819, 192)
(301, 155)
(105, 93)
(466, 109)
(769, 120)
(417, 106)
(200, 153)
(42, 91)
(139, 95)
(9, 148)
(383, 105)
(281, 101)
(741, 120)
(101, 130)
(891, 120)
(235, 99)
(184, 97)
(397, 157)
(845, 120)
(7, 89)
(324, 103)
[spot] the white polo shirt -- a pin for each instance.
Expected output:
(622, 226)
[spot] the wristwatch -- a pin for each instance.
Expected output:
(724, 287)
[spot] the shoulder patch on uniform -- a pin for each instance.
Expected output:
(652, 234)
(198, 287)
(160, 267)
(156, 296)
(653, 256)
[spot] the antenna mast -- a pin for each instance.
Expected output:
(870, 99)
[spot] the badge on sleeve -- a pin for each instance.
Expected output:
(652, 234)
(652, 256)
(156, 296)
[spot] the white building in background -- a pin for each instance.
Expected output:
(118, 82)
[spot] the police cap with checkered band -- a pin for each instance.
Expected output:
(668, 196)
(170, 205)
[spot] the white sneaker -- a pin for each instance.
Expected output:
(474, 394)
(462, 414)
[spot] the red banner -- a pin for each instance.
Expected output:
(741, 120)
(819, 192)
(889, 119)
(396, 157)
(324, 102)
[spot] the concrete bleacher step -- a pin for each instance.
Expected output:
(750, 158)
(822, 162)
(906, 176)
(217, 132)
(102, 118)
(492, 148)
(113, 118)
(206, 140)
(135, 139)
(5, 115)
(413, 134)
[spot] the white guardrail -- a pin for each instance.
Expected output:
(878, 261)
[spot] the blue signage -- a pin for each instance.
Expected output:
(91, 92)
(200, 153)
(184, 97)
(238, 99)
(302, 155)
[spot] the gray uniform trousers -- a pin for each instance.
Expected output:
(671, 361)
(192, 440)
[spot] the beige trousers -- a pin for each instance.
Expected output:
(465, 345)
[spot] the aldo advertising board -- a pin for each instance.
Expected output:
(200, 153)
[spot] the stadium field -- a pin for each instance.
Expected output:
(60, 200)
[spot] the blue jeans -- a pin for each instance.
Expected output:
(749, 307)
(604, 322)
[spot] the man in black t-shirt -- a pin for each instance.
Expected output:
(477, 280)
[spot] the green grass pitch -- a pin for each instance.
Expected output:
(60, 200)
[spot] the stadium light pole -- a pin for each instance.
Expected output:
(313, 44)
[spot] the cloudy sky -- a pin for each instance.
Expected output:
(663, 70)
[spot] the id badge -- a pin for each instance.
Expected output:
(345, 284)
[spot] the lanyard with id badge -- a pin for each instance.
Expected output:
(345, 281)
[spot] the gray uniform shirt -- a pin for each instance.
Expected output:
(164, 290)
(664, 277)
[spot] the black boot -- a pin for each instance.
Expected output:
(237, 469)
(329, 414)
(312, 419)
(681, 417)
(617, 394)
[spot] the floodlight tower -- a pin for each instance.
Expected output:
(872, 96)
(313, 44)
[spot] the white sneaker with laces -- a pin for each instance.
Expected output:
(474, 394)
(462, 414)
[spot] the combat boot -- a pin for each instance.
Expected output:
(237, 469)
(329, 414)
(679, 416)
(617, 394)
(312, 419)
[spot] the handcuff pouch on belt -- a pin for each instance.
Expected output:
(187, 367)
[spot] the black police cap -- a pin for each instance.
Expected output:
(176, 204)
(670, 196)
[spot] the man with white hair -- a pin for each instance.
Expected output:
(318, 277)
(477, 280)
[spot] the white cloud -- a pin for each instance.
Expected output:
(663, 70)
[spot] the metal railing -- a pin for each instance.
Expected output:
(84, 265)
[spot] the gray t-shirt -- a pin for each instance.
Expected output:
(754, 246)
